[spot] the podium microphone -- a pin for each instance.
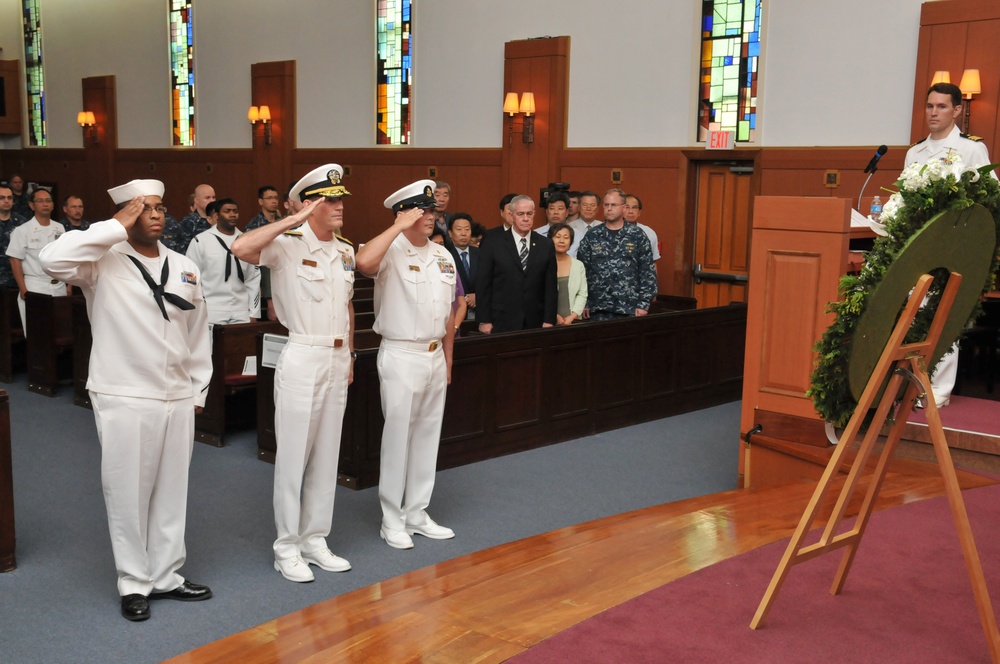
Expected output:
(870, 169)
(873, 164)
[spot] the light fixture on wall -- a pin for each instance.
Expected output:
(512, 106)
(86, 120)
(941, 76)
(970, 86)
(261, 115)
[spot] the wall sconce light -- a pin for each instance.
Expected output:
(86, 120)
(526, 105)
(261, 115)
(970, 86)
(941, 76)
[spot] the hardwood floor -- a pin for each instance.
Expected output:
(493, 604)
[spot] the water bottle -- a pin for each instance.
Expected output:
(876, 211)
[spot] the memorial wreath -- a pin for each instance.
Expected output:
(924, 192)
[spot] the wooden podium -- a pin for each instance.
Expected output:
(799, 250)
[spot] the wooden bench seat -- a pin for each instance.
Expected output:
(50, 341)
(12, 345)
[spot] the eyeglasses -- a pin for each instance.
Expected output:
(147, 210)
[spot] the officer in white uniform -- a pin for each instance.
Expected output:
(312, 282)
(149, 372)
(232, 286)
(414, 293)
(26, 241)
(943, 108)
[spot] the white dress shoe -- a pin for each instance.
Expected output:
(324, 559)
(397, 539)
(294, 569)
(429, 529)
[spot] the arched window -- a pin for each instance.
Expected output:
(730, 51)
(181, 41)
(33, 73)
(394, 62)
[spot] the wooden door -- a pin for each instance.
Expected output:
(722, 234)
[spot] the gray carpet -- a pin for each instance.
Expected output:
(61, 604)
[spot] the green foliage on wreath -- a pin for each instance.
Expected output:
(924, 192)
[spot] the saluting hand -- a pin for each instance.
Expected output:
(128, 214)
(406, 218)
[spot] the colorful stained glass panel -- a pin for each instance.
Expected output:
(729, 55)
(394, 63)
(33, 74)
(181, 39)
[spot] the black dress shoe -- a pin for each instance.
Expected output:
(186, 592)
(135, 607)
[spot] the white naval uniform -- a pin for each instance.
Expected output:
(414, 292)
(312, 283)
(975, 154)
(232, 300)
(26, 241)
(147, 375)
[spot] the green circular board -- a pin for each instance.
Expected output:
(960, 242)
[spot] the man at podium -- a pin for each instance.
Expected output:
(944, 106)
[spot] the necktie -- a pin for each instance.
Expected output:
(465, 261)
(229, 261)
(524, 253)
(158, 293)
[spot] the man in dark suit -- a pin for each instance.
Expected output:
(516, 275)
(466, 256)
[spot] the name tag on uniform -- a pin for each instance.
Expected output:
(446, 266)
(630, 247)
(189, 278)
(348, 261)
(414, 268)
(306, 261)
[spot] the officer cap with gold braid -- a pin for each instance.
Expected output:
(420, 194)
(322, 181)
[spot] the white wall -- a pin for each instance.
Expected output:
(828, 77)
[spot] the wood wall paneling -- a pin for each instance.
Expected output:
(272, 84)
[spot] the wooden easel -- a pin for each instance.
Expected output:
(899, 362)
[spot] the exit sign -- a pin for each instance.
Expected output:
(721, 140)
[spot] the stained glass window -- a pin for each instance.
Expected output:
(33, 73)
(182, 71)
(730, 52)
(394, 85)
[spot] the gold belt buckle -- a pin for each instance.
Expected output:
(433, 346)
(337, 343)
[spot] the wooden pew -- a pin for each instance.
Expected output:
(12, 346)
(83, 341)
(523, 390)
(231, 394)
(50, 341)
(8, 561)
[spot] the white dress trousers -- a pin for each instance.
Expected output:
(146, 444)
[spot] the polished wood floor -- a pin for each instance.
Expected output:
(491, 605)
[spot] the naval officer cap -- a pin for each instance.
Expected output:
(420, 194)
(322, 181)
(123, 193)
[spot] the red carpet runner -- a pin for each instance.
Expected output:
(907, 599)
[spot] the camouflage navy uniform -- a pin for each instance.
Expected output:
(258, 221)
(620, 274)
(84, 225)
(6, 276)
(177, 235)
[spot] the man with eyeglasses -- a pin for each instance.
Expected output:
(26, 241)
(312, 283)
(149, 372)
(621, 281)
(270, 206)
(9, 220)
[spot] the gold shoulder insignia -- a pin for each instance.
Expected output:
(919, 142)
(978, 139)
(294, 232)
(344, 239)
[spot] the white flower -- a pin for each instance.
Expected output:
(891, 207)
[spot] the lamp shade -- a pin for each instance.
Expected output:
(510, 103)
(528, 103)
(252, 114)
(970, 83)
(90, 118)
(941, 76)
(265, 113)
(81, 118)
